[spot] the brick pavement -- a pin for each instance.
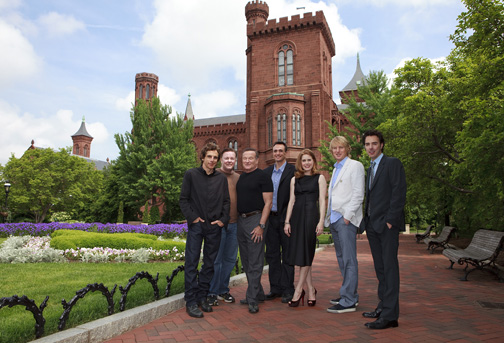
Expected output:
(435, 307)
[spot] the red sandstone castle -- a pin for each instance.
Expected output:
(289, 88)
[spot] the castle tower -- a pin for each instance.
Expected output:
(82, 141)
(146, 86)
(289, 81)
(256, 12)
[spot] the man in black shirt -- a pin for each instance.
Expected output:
(204, 201)
(254, 197)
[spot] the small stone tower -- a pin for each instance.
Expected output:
(256, 12)
(82, 141)
(146, 86)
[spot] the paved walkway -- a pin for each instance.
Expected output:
(435, 307)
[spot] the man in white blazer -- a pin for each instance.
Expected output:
(344, 215)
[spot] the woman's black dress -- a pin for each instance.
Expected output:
(304, 220)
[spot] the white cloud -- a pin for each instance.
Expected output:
(199, 40)
(124, 104)
(18, 59)
(403, 3)
(9, 4)
(213, 104)
(58, 25)
(55, 131)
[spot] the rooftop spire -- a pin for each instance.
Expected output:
(188, 111)
(357, 80)
(82, 130)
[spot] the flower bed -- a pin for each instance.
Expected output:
(29, 249)
(44, 229)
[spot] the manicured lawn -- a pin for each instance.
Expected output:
(61, 281)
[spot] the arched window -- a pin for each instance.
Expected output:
(76, 149)
(233, 144)
(140, 93)
(286, 65)
(270, 131)
(282, 127)
(85, 150)
(147, 92)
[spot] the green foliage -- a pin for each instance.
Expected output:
(120, 212)
(44, 180)
(154, 215)
(73, 239)
(146, 217)
(361, 116)
(154, 156)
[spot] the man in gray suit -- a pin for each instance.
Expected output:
(383, 219)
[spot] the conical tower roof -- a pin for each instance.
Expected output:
(357, 80)
(82, 130)
(188, 111)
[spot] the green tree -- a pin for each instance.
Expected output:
(361, 116)
(154, 157)
(44, 180)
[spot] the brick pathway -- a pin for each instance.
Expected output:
(435, 307)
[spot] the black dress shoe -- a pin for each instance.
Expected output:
(375, 314)
(253, 308)
(271, 296)
(194, 311)
(286, 298)
(245, 302)
(381, 324)
(205, 306)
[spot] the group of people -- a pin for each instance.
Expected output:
(283, 209)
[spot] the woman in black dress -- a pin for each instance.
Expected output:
(305, 221)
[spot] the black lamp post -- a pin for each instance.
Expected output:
(7, 186)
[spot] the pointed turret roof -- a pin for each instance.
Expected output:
(82, 130)
(358, 79)
(188, 111)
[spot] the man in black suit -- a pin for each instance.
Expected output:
(383, 219)
(281, 274)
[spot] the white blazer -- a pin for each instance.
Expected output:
(347, 193)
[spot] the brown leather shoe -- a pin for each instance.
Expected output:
(374, 314)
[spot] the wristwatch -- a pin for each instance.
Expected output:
(262, 226)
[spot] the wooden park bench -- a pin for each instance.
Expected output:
(440, 241)
(481, 252)
(421, 236)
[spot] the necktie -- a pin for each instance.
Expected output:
(371, 175)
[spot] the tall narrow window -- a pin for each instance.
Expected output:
(76, 149)
(270, 131)
(290, 68)
(140, 93)
(279, 127)
(294, 136)
(284, 128)
(285, 65)
(233, 144)
(85, 150)
(281, 68)
(298, 131)
(147, 92)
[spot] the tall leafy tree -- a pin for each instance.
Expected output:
(44, 180)
(361, 116)
(153, 157)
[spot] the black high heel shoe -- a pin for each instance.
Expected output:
(293, 303)
(312, 302)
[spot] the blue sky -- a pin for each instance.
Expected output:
(64, 60)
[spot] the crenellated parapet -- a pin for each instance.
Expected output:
(308, 20)
(226, 129)
(256, 12)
